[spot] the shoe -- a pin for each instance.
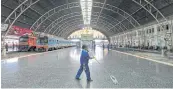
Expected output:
(78, 79)
(89, 80)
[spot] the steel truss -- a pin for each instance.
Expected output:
(74, 16)
(71, 27)
(60, 19)
(150, 8)
(17, 12)
(55, 24)
(76, 4)
(123, 26)
(101, 11)
(64, 17)
(119, 11)
(51, 12)
(74, 29)
(65, 24)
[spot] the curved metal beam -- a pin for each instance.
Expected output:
(53, 24)
(101, 10)
(117, 10)
(150, 9)
(66, 30)
(101, 27)
(74, 29)
(59, 31)
(67, 35)
(116, 20)
(51, 12)
(113, 21)
(134, 13)
(56, 22)
(66, 23)
(75, 16)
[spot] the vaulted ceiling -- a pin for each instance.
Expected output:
(62, 17)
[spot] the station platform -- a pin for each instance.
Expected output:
(57, 69)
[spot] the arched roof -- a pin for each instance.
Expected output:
(62, 17)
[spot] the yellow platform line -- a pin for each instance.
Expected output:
(153, 60)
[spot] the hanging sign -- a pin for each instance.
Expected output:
(4, 27)
(86, 37)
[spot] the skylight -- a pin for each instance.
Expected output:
(86, 6)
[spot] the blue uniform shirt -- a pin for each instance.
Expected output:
(84, 58)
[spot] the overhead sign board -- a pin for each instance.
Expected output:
(4, 27)
(86, 36)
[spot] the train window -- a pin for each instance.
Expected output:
(167, 27)
(150, 30)
(23, 39)
(158, 29)
(163, 26)
(147, 31)
(153, 30)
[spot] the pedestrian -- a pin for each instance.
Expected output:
(108, 46)
(84, 58)
(103, 46)
(13, 46)
(6, 47)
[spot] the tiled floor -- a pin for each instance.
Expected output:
(57, 70)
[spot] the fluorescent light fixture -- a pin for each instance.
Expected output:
(86, 6)
(98, 40)
(75, 40)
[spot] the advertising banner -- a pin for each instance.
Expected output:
(18, 31)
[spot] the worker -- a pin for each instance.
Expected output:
(6, 47)
(13, 46)
(84, 58)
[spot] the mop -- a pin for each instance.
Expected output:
(114, 80)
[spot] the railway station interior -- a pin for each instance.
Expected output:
(86, 43)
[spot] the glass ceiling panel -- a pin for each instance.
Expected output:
(86, 6)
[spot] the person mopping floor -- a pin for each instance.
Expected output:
(84, 59)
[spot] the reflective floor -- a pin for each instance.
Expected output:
(57, 69)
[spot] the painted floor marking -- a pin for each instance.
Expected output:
(161, 62)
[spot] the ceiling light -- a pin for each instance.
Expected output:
(86, 6)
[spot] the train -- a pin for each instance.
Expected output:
(43, 43)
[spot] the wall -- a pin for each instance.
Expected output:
(147, 35)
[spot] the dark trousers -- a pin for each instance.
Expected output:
(87, 71)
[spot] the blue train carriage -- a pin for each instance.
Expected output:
(60, 43)
(42, 44)
(52, 43)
